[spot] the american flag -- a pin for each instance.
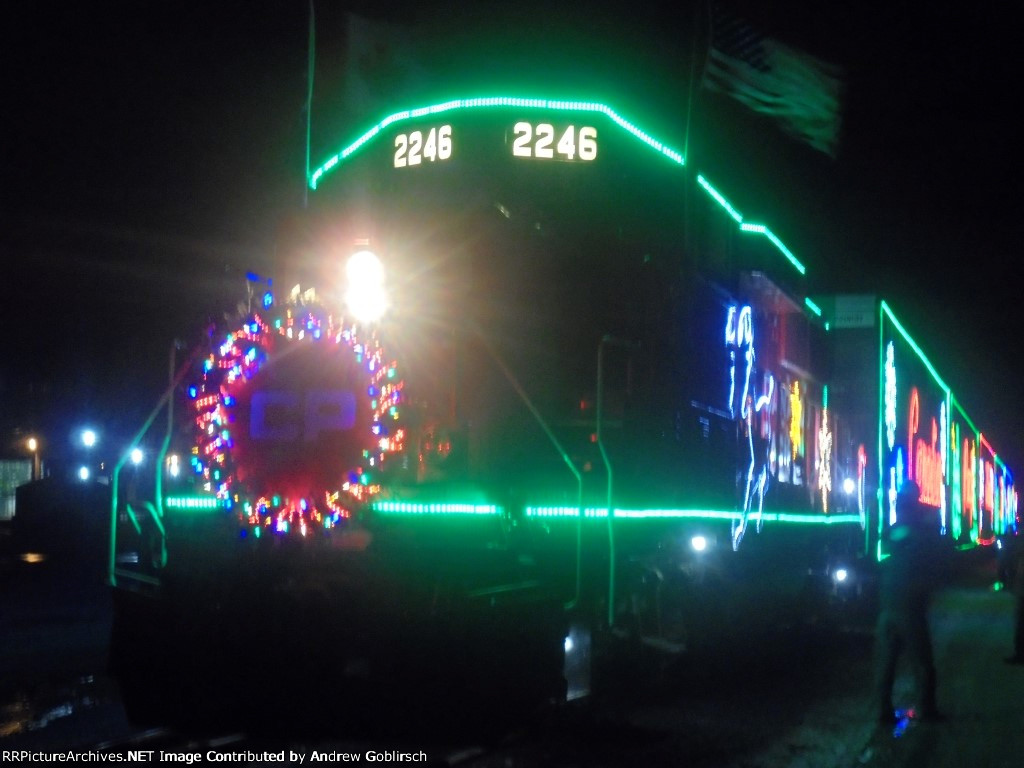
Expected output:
(802, 93)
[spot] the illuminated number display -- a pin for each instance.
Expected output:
(544, 141)
(417, 147)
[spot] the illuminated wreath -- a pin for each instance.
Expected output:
(295, 414)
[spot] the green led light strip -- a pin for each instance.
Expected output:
(759, 229)
(917, 350)
(594, 513)
(491, 102)
(563, 106)
(812, 306)
(193, 502)
(444, 509)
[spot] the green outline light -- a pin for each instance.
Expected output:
(736, 215)
(592, 513)
(763, 230)
(490, 102)
(193, 502)
(758, 229)
(913, 345)
(560, 105)
(446, 509)
(812, 306)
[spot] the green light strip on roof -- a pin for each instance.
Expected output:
(913, 345)
(497, 101)
(812, 306)
(963, 413)
(560, 105)
(690, 514)
(762, 229)
(445, 509)
(759, 229)
(736, 215)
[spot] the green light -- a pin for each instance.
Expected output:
(193, 502)
(493, 102)
(442, 509)
(763, 230)
(812, 306)
(719, 199)
(917, 350)
(592, 513)
(556, 105)
(760, 229)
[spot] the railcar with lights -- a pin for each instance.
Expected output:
(565, 392)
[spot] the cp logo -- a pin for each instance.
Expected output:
(287, 416)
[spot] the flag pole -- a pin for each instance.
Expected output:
(309, 98)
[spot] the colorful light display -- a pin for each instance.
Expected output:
(959, 474)
(296, 412)
(739, 338)
(824, 458)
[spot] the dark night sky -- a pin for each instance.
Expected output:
(150, 149)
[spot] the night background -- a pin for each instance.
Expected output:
(155, 155)
(152, 152)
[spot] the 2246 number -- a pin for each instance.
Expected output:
(414, 147)
(539, 141)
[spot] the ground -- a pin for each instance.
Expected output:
(803, 699)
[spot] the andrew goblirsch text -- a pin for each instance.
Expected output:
(210, 756)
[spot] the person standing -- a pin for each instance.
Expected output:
(1011, 574)
(908, 577)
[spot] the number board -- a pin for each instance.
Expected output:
(538, 140)
(487, 138)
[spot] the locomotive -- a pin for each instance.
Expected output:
(529, 386)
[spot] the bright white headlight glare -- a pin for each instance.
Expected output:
(699, 543)
(841, 575)
(849, 486)
(364, 287)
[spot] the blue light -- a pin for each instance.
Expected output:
(268, 299)
(193, 392)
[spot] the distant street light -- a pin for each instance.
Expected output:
(88, 438)
(137, 456)
(33, 445)
(83, 473)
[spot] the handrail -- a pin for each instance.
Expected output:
(116, 474)
(558, 447)
(607, 339)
